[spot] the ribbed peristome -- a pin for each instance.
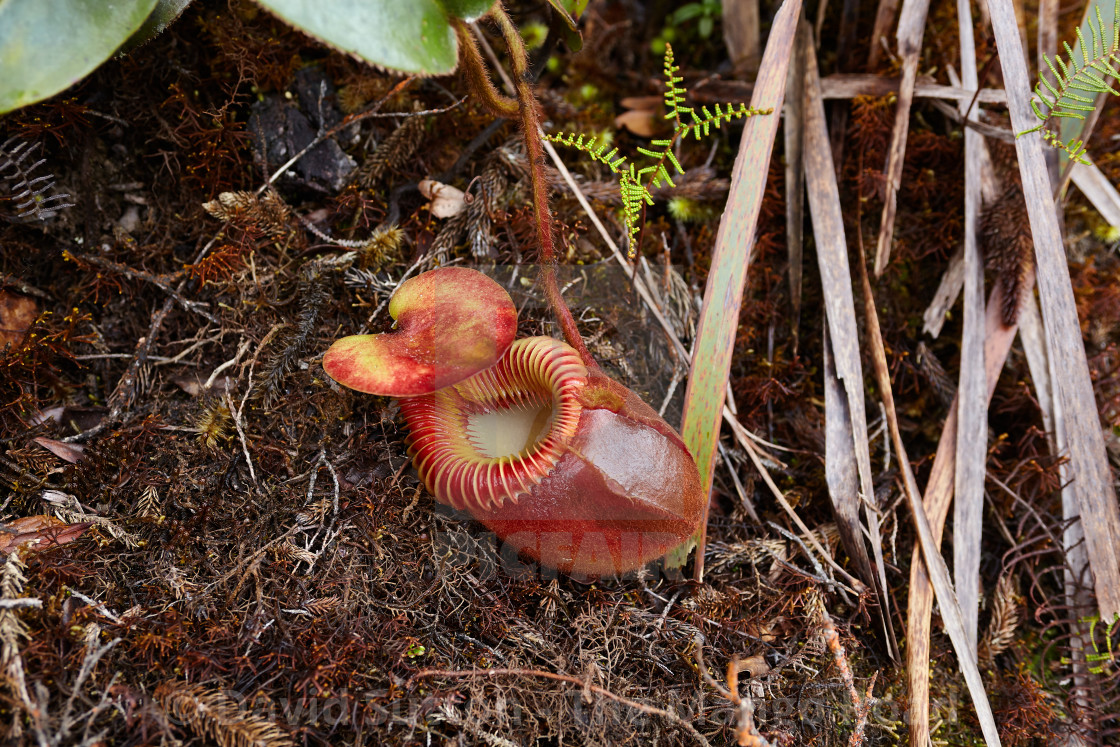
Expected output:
(448, 452)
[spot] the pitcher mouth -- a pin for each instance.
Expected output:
(495, 436)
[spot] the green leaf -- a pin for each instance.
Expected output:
(686, 12)
(413, 36)
(48, 45)
(1100, 15)
(723, 293)
(569, 10)
(165, 13)
(468, 10)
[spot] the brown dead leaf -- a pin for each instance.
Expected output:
(446, 200)
(194, 384)
(755, 666)
(72, 453)
(78, 418)
(40, 532)
(643, 117)
(16, 315)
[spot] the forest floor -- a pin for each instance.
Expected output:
(221, 545)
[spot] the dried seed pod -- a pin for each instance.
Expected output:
(1005, 237)
(268, 211)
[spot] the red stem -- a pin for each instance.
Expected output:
(534, 150)
(474, 69)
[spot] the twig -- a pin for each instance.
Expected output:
(160, 281)
(241, 436)
(228, 364)
(746, 735)
(996, 133)
(122, 392)
(96, 605)
(863, 704)
(240, 410)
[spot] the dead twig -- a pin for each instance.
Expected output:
(746, 733)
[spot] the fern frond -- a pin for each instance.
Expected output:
(22, 187)
(1075, 148)
(701, 126)
(1099, 60)
(587, 145)
(634, 183)
(674, 94)
(215, 716)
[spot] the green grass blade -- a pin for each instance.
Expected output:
(723, 295)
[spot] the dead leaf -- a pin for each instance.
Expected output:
(72, 453)
(16, 315)
(40, 532)
(643, 117)
(194, 385)
(446, 200)
(78, 418)
(648, 103)
(755, 666)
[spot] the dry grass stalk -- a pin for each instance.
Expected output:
(911, 28)
(933, 572)
(972, 414)
(1092, 479)
(848, 457)
(215, 716)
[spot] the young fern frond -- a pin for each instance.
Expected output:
(1077, 84)
(701, 127)
(612, 160)
(634, 183)
(674, 94)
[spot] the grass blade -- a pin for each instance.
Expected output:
(723, 293)
(847, 455)
(934, 571)
(1096, 497)
(972, 402)
(911, 26)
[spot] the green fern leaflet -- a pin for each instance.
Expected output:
(634, 183)
(1077, 85)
